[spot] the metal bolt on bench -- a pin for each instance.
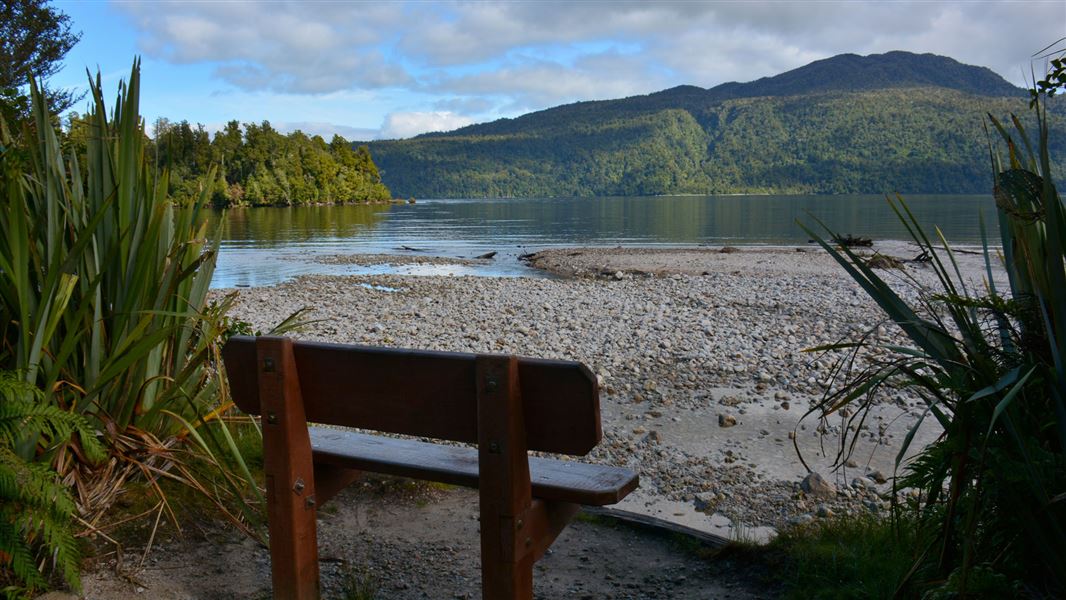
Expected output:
(504, 404)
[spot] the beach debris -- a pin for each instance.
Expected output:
(816, 485)
(851, 241)
(487, 255)
(883, 261)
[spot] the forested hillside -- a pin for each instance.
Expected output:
(849, 124)
(257, 165)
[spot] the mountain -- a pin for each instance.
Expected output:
(912, 123)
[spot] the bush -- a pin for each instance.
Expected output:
(991, 368)
(103, 309)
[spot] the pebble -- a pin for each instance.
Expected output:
(816, 485)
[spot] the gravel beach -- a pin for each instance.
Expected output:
(700, 353)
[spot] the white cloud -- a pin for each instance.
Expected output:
(327, 130)
(407, 124)
(536, 84)
(297, 47)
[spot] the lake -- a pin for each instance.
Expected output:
(263, 246)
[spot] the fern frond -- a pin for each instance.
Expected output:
(20, 417)
(16, 554)
(31, 483)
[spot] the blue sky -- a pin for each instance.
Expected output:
(395, 69)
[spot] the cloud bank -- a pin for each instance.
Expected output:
(469, 60)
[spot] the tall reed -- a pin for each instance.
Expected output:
(990, 367)
(104, 308)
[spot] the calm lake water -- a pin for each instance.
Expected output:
(263, 246)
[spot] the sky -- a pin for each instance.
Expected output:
(381, 70)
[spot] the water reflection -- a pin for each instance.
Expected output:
(265, 245)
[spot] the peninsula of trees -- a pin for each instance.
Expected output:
(895, 122)
(259, 166)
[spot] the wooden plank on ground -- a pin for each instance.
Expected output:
(647, 521)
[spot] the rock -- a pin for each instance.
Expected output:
(816, 485)
(803, 519)
(877, 476)
(705, 501)
(824, 511)
(851, 464)
(654, 437)
(726, 420)
(863, 483)
(487, 255)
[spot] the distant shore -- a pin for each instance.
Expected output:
(700, 352)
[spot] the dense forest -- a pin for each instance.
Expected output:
(849, 124)
(257, 165)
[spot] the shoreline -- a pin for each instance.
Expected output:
(699, 352)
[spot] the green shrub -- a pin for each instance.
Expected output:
(990, 367)
(36, 509)
(103, 307)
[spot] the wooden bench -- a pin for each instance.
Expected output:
(505, 405)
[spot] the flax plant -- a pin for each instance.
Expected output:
(989, 367)
(104, 307)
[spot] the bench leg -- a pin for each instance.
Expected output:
(505, 574)
(290, 477)
(511, 545)
(504, 487)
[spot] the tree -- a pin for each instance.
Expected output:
(34, 37)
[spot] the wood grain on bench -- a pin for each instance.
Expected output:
(425, 393)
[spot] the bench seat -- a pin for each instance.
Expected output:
(552, 480)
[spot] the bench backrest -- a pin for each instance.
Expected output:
(425, 393)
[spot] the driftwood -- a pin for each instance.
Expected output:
(850, 241)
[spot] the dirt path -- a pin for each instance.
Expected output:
(402, 541)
